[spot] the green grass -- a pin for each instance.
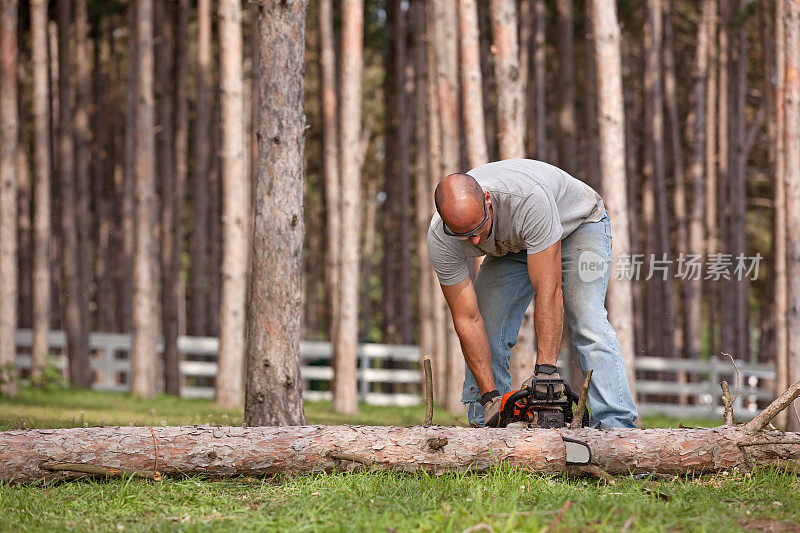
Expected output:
(506, 500)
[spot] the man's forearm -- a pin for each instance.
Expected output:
(548, 321)
(477, 354)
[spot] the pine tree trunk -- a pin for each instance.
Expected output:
(726, 302)
(24, 230)
(171, 188)
(740, 285)
(174, 309)
(9, 132)
(201, 162)
(712, 295)
(660, 306)
(471, 84)
(446, 32)
(402, 89)
(74, 316)
(423, 206)
(274, 389)
(696, 130)
(103, 164)
(230, 377)
(791, 101)
(128, 185)
(510, 107)
(41, 194)
(330, 162)
(440, 356)
(44, 455)
(679, 187)
(589, 143)
(214, 216)
(345, 399)
(611, 119)
(82, 162)
(779, 308)
(567, 122)
(539, 75)
(144, 381)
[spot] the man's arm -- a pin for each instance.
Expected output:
(544, 271)
(471, 332)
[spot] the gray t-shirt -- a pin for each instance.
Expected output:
(534, 204)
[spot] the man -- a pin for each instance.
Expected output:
(535, 223)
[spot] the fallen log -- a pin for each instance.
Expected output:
(46, 454)
(231, 451)
(30, 455)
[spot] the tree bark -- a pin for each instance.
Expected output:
(426, 285)
(510, 107)
(345, 399)
(170, 247)
(696, 128)
(330, 163)
(791, 102)
(128, 185)
(175, 310)
(9, 135)
(274, 389)
(471, 84)
(661, 317)
(780, 307)
(82, 161)
(711, 232)
(402, 89)
(446, 49)
(74, 300)
(34, 455)
(567, 122)
(41, 196)
(230, 378)
(611, 119)
(198, 248)
(679, 186)
(144, 356)
(439, 359)
(170, 188)
(539, 75)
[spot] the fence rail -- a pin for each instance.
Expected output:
(658, 394)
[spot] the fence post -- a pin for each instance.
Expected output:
(713, 383)
(363, 384)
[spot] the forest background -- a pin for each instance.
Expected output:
(706, 170)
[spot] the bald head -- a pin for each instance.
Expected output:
(459, 200)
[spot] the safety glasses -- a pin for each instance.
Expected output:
(468, 234)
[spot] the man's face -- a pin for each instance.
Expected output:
(475, 222)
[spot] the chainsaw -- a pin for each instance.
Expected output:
(546, 409)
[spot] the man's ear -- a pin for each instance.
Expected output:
(487, 197)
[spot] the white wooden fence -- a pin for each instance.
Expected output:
(198, 367)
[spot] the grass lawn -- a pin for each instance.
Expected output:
(505, 500)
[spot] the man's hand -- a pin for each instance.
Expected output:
(492, 403)
(540, 390)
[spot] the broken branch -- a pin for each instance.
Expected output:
(100, 470)
(578, 417)
(726, 400)
(758, 424)
(426, 363)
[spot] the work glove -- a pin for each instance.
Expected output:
(492, 402)
(540, 390)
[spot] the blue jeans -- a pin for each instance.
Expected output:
(504, 292)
